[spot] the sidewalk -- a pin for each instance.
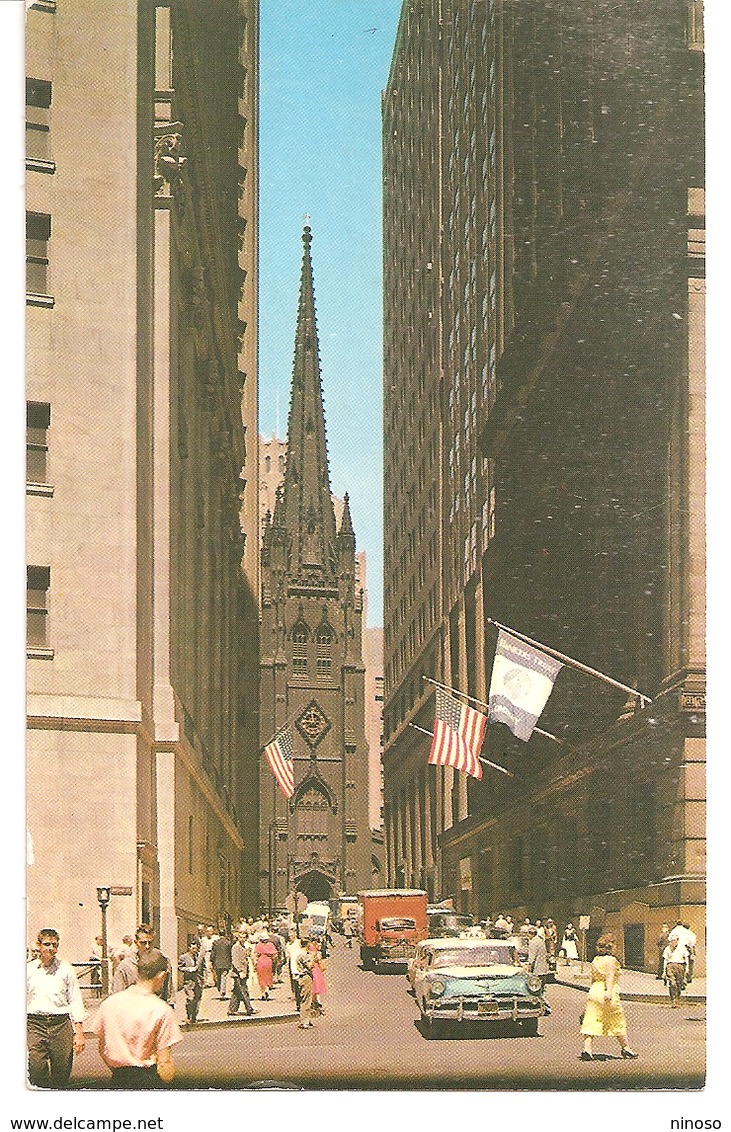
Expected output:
(214, 1010)
(634, 986)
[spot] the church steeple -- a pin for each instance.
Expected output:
(305, 508)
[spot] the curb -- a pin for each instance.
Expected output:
(639, 996)
(234, 1020)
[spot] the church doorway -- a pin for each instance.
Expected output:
(315, 886)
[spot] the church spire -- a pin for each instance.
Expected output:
(305, 508)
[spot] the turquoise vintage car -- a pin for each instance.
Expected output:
(473, 980)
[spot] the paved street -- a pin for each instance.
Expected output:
(370, 1038)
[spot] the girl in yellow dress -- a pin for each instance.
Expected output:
(603, 1013)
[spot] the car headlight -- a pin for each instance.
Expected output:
(437, 986)
(534, 983)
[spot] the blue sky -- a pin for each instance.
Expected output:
(324, 64)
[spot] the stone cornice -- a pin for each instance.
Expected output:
(89, 709)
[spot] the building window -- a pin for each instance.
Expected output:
(324, 651)
(38, 420)
(39, 583)
(300, 637)
(37, 235)
(38, 122)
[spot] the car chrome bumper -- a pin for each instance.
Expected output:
(475, 1010)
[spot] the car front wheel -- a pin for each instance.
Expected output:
(530, 1027)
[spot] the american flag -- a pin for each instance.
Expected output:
(458, 734)
(279, 754)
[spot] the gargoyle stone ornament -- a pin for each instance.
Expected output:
(169, 162)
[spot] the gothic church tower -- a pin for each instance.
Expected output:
(312, 670)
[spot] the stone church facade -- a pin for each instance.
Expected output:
(312, 669)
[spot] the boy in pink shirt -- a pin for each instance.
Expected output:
(136, 1029)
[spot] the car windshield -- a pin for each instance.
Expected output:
(397, 924)
(477, 956)
(451, 923)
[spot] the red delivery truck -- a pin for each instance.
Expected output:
(391, 923)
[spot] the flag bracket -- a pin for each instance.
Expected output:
(481, 703)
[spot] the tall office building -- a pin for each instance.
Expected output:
(142, 465)
(312, 671)
(543, 447)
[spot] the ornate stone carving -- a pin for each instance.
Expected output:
(313, 724)
(169, 162)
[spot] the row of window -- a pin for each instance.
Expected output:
(38, 93)
(300, 641)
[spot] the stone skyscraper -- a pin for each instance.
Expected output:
(142, 540)
(543, 449)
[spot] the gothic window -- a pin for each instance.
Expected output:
(324, 650)
(300, 638)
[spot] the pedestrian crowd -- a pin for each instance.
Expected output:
(544, 931)
(136, 1025)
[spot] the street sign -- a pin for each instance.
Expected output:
(584, 922)
(121, 890)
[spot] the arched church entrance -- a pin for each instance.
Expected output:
(315, 886)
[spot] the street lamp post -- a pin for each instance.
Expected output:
(103, 895)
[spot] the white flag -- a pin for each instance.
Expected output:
(522, 681)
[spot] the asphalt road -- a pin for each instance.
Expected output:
(370, 1038)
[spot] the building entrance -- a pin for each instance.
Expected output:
(315, 886)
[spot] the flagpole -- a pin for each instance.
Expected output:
(569, 660)
(481, 703)
(487, 762)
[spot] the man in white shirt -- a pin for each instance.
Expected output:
(676, 966)
(206, 945)
(55, 1015)
(292, 950)
(136, 1029)
(682, 931)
